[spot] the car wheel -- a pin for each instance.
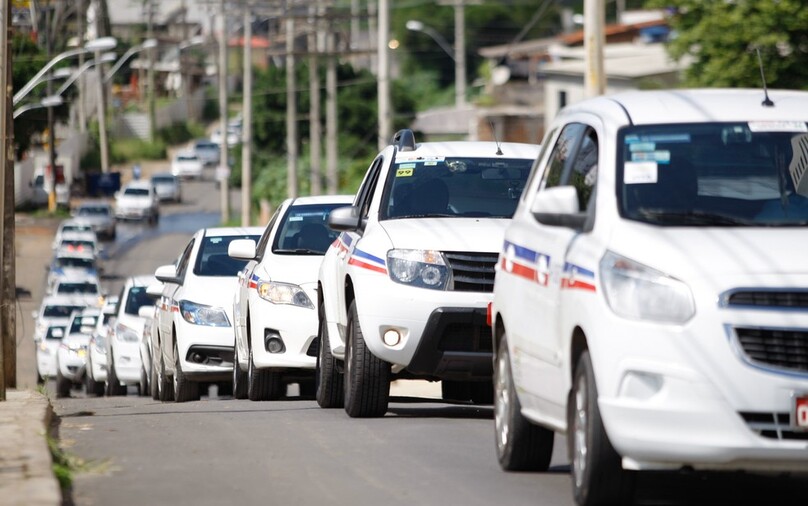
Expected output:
(62, 384)
(113, 385)
(39, 379)
(184, 389)
(367, 378)
(239, 378)
(154, 383)
(164, 385)
(144, 382)
(262, 385)
(521, 445)
(328, 388)
(597, 474)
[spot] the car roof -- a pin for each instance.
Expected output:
(470, 149)
(229, 231)
(697, 106)
(62, 300)
(322, 199)
(73, 221)
(79, 234)
(164, 174)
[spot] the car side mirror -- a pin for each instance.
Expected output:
(558, 207)
(345, 219)
(242, 249)
(167, 274)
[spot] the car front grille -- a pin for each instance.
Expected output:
(773, 426)
(472, 272)
(466, 337)
(775, 299)
(778, 348)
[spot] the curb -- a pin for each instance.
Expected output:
(26, 474)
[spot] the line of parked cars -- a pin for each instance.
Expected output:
(636, 283)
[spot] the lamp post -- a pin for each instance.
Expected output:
(105, 58)
(146, 44)
(49, 101)
(460, 64)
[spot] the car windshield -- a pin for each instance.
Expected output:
(93, 211)
(212, 259)
(67, 287)
(77, 228)
(304, 230)
(187, 158)
(206, 145)
(163, 180)
(714, 174)
(455, 187)
(59, 311)
(75, 262)
(55, 333)
(136, 299)
(136, 192)
(82, 321)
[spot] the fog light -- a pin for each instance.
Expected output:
(274, 345)
(197, 357)
(391, 337)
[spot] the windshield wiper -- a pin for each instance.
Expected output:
(427, 215)
(298, 251)
(695, 217)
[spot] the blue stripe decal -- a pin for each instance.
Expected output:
(347, 239)
(568, 267)
(361, 254)
(522, 252)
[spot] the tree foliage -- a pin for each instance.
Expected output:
(721, 37)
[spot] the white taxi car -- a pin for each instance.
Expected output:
(124, 366)
(404, 290)
(46, 350)
(650, 300)
(275, 319)
(85, 289)
(71, 358)
(195, 335)
(96, 375)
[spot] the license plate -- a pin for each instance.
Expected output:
(800, 412)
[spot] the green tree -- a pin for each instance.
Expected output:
(721, 36)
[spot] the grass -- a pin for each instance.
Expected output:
(60, 213)
(64, 464)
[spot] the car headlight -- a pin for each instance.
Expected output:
(283, 293)
(75, 348)
(421, 268)
(126, 334)
(100, 346)
(200, 314)
(44, 348)
(638, 292)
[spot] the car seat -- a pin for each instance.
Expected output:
(313, 236)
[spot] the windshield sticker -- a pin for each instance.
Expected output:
(778, 126)
(214, 240)
(430, 164)
(663, 138)
(404, 172)
(295, 218)
(662, 156)
(640, 173)
(641, 146)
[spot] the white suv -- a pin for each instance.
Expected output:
(651, 298)
(404, 290)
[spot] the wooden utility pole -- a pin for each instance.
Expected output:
(8, 292)
(291, 106)
(315, 128)
(7, 340)
(246, 123)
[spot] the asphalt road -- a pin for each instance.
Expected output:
(132, 450)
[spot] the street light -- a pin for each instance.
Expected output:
(146, 44)
(105, 58)
(455, 54)
(101, 44)
(49, 101)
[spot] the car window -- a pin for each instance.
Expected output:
(93, 211)
(182, 262)
(535, 170)
(213, 260)
(136, 192)
(455, 187)
(59, 310)
(80, 321)
(304, 230)
(74, 262)
(261, 247)
(55, 332)
(135, 299)
(79, 287)
(367, 198)
(563, 154)
(585, 169)
(163, 179)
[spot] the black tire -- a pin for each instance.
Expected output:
(367, 378)
(598, 478)
(520, 445)
(164, 386)
(154, 386)
(239, 378)
(113, 385)
(62, 384)
(143, 386)
(455, 390)
(39, 379)
(184, 389)
(328, 380)
(262, 385)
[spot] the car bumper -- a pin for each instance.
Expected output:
(71, 365)
(295, 326)
(132, 214)
(126, 357)
(46, 363)
(212, 347)
(98, 367)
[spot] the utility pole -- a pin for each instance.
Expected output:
(224, 170)
(8, 290)
(51, 118)
(315, 128)
(6, 129)
(460, 53)
(81, 17)
(594, 39)
(291, 106)
(331, 134)
(150, 75)
(246, 127)
(383, 76)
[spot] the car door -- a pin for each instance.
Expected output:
(572, 162)
(348, 240)
(169, 308)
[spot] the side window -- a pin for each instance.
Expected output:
(182, 264)
(367, 182)
(364, 203)
(261, 247)
(536, 169)
(563, 154)
(585, 169)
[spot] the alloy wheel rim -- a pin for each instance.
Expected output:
(502, 403)
(580, 421)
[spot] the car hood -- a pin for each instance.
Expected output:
(133, 201)
(716, 255)
(297, 269)
(216, 291)
(447, 234)
(76, 339)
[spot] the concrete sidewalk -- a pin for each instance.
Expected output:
(26, 476)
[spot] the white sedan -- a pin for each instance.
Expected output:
(195, 314)
(96, 374)
(275, 318)
(137, 201)
(187, 165)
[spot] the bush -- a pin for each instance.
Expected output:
(179, 133)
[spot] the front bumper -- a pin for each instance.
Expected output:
(126, 357)
(46, 363)
(72, 364)
(132, 213)
(98, 366)
(295, 326)
(213, 344)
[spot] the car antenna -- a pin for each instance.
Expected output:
(494, 134)
(766, 101)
